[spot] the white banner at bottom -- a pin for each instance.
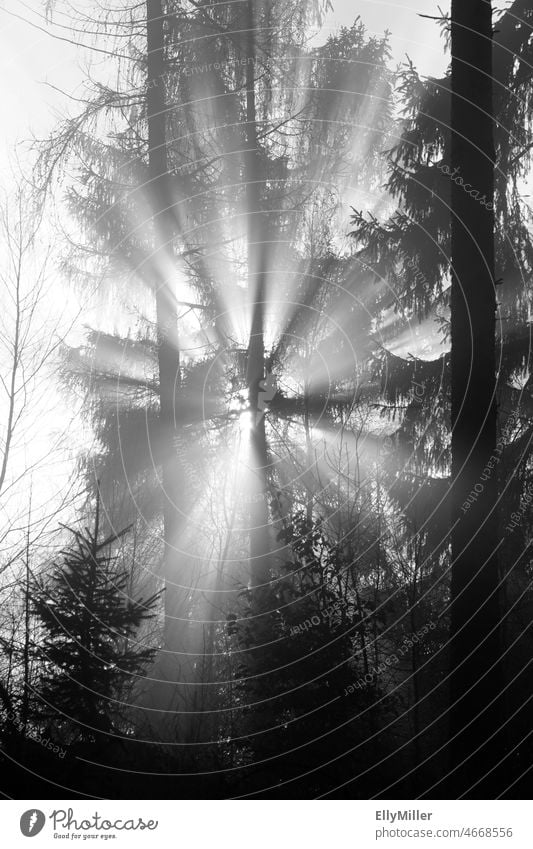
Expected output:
(204, 824)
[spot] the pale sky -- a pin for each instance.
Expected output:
(410, 34)
(31, 60)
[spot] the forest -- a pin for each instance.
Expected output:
(266, 406)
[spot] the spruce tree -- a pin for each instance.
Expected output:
(88, 651)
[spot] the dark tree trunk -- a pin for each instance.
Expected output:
(475, 648)
(259, 514)
(163, 269)
(165, 297)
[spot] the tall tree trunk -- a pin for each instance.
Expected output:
(163, 268)
(475, 648)
(259, 514)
